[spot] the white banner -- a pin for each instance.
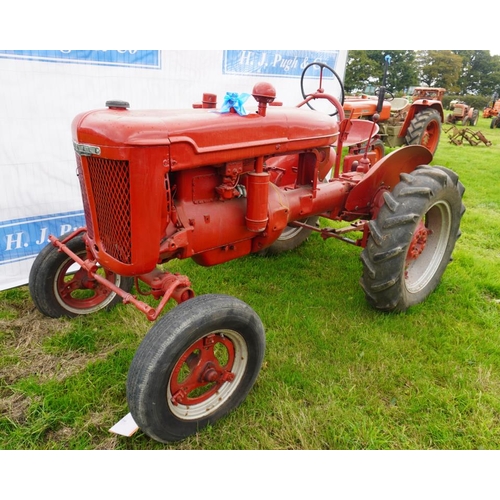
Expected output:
(43, 90)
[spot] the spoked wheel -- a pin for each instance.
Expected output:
(194, 366)
(322, 73)
(412, 238)
(59, 287)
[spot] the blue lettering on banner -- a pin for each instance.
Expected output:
(287, 63)
(22, 239)
(149, 59)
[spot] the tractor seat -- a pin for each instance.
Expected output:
(399, 103)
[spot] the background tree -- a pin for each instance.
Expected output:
(440, 68)
(366, 67)
(460, 72)
(480, 72)
(361, 70)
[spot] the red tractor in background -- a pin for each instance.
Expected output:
(215, 184)
(463, 113)
(400, 121)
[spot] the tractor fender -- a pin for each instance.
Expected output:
(385, 174)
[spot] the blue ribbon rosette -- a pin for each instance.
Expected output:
(236, 101)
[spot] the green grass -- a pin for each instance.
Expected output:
(336, 375)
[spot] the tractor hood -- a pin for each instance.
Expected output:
(206, 136)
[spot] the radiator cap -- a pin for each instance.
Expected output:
(117, 104)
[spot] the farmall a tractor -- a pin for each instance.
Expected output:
(215, 184)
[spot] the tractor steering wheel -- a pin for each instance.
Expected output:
(386, 93)
(322, 67)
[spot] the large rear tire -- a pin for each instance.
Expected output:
(412, 238)
(59, 287)
(425, 130)
(195, 365)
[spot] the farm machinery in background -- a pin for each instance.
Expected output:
(216, 184)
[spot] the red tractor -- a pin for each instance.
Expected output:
(400, 122)
(463, 113)
(215, 184)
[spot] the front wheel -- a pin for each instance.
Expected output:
(425, 130)
(195, 365)
(412, 238)
(60, 287)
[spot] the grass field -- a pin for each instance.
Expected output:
(336, 375)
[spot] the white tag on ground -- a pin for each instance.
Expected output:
(126, 426)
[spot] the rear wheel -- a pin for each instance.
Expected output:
(425, 130)
(378, 148)
(474, 118)
(60, 287)
(195, 365)
(291, 237)
(412, 238)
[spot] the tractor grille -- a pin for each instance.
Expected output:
(110, 181)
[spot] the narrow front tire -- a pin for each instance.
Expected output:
(195, 365)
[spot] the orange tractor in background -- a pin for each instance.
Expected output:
(493, 111)
(400, 121)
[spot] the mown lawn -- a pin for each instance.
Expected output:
(336, 375)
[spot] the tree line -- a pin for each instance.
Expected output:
(460, 72)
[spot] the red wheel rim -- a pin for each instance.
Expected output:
(202, 369)
(79, 291)
(428, 247)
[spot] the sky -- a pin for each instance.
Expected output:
(323, 24)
